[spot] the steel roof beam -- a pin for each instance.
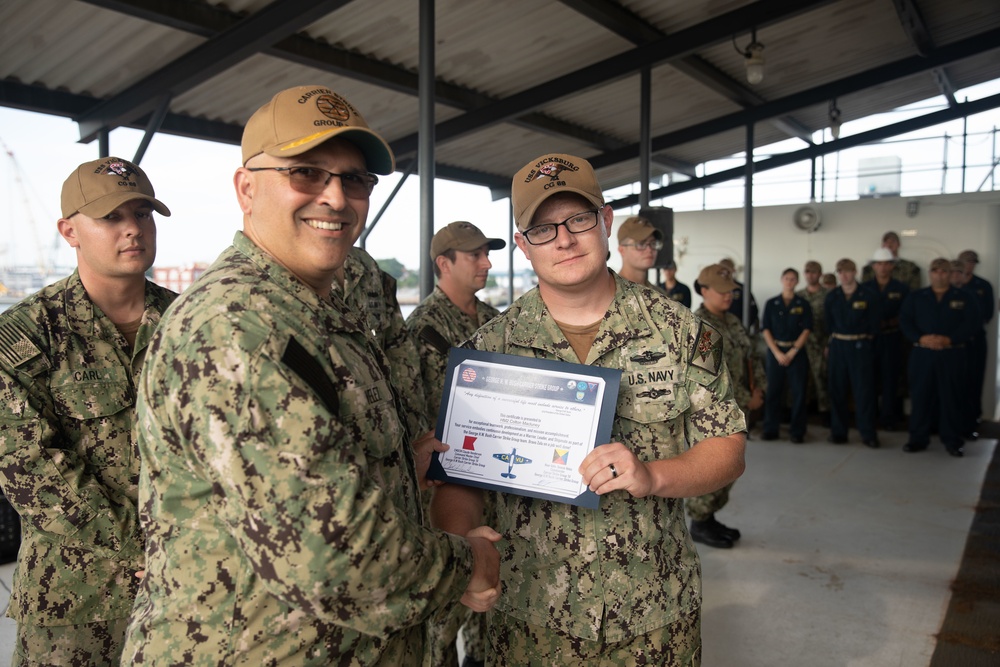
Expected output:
(682, 43)
(785, 159)
(207, 21)
(971, 46)
(218, 54)
(635, 29)
(920, 36)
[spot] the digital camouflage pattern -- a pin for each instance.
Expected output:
(677, 644)
(453, 327)
(903, 270)
(740, 356)
(279, 501)
(628, 567)
(448, 326)
(816, 345)
(370, 290)
(90, 644)
(69, 464)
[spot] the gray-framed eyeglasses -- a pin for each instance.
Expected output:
(645, 245)
(313, 180)
(575, 224)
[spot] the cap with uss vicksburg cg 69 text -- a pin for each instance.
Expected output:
(301, 118)
(98, 187)
(549, 175)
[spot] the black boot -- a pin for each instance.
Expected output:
(732, 533)
(707, 533)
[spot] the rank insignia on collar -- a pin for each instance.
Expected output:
(707, 353)
(648, 357)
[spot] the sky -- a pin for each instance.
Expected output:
(194, 179)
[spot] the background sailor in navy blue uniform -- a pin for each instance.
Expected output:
(977, 348)
(674, 288)
(787, 322)
(852, 318)
(889, 340)
(939, 320)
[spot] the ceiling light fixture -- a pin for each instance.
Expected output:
(834, 119)
(754, 58)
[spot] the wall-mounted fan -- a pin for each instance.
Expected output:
(807, 218)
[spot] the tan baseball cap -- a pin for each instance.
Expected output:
(548, 175)
(98, 187)
(301, 118)
(718, 277)
(957, 265)
(463, 236)
(970, 256)
(814, 266)
(941, 264)
(639, 229)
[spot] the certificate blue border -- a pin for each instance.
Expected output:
(606, 416)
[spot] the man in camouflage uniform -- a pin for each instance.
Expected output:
(903, 270)
(447, 317)
(815, 294)
(70, 358)
(638, 242)
(620, 584)
(278, 493)
(749, 384)
(370, 290)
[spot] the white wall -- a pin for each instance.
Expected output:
(943, 227)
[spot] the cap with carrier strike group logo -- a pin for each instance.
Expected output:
(100, 186)
(549, 175)
(299, 119)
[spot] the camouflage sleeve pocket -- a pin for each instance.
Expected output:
(86, 394)
(652, 403)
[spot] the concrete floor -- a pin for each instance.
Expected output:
(846, 558)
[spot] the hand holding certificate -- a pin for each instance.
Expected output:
(522, 425)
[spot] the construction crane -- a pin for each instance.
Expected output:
(41, 254)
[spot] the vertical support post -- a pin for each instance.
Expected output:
(645, 136)
(748, 226)
(425, 144)
(965, 145)
(510, 252)
(104, 142)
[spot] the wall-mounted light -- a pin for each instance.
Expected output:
(834, 119)
(753, 56)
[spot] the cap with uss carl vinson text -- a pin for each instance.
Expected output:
(718, 277)
(549, 175)
(98, 187)
(299, 119)
(462, 236)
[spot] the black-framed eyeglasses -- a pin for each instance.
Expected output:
(645, 245)
(575, 224)
(313, 180)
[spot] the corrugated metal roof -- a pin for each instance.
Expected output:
(488, 51)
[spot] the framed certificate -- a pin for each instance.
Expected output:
(522, 425)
